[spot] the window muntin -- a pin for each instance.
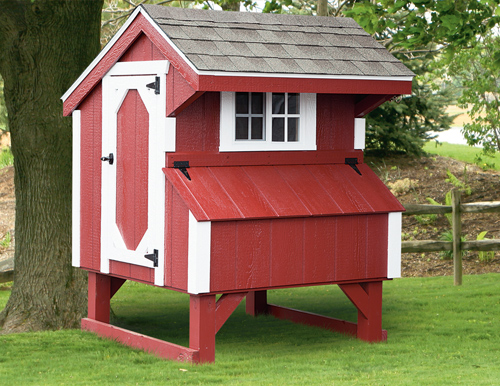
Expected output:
(285, 115)
(249, 115)
(253, 122)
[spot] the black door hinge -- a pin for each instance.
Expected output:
(352, 162)
(183, 166)
(153, 257)
(155, 85)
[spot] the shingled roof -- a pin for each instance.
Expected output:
(244, 42)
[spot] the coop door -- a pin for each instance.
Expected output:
(133, 155)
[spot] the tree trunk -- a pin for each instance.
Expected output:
(44, 46)
(230, 5)
(322, 8)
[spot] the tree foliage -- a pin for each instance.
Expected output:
(477, 71)
(4, 124)
(404, 125)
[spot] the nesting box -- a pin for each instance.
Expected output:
(222, 153)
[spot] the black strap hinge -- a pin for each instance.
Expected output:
(155, 85)
(352, 162)
(153, 257)
(183, 166)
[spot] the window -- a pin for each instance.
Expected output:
(252, 121)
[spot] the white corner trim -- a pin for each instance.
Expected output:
(199, 240)
(307, 130)
(359, 133)
(394, 245)
(75, 243)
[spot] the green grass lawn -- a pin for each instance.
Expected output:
(463, 153)
(438, 335)
(6, 157)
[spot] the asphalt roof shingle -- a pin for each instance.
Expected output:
(272, 43)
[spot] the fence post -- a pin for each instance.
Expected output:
(457, 236)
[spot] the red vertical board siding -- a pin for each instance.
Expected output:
(287, 251)
(253, 254)
(351, 248)
(132, 170)
(335, 122)
(377, 238)
(90, 183)
(198, 125)
(180, 233)
(320, 249)
(168, 234)
(142, 49)
(256, 254)
(223, 256)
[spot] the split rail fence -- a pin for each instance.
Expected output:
(457, 245)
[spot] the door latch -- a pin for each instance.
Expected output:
(153, 257)
(109, 158)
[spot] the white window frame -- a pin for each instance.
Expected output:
(306, 134)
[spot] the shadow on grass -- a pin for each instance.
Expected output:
(164, 314)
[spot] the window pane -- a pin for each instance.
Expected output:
(278, 103)
(278, 129)
(241, 128)
(241, 103)
(293, 129)
(293, 104)
(257, 103)
(257, 128)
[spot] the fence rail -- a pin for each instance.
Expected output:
(457, 245)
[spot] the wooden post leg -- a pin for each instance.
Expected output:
(202, 328)
(256, 303)
(370, 320)
(99, 296)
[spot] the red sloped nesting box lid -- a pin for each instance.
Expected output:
(263, 192)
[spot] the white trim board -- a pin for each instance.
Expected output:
(199, 243)
(394, 223)
(359, 133)
(75, 220)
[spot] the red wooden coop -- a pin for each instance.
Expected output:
(222, 153)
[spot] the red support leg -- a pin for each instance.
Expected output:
(370, 321)
(202, 327)
(256, 303)
(99, 296)
(367, 297)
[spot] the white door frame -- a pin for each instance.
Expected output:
(122, 77)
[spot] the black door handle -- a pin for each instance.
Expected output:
(109, 158)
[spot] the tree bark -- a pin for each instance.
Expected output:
(322, 8)
(44, 46)
(230, 5)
